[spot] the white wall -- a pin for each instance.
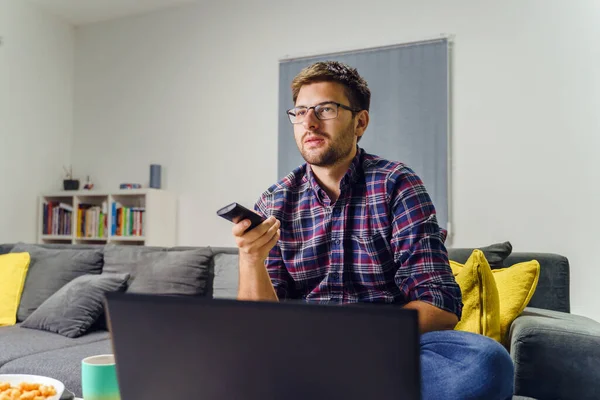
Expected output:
(36, 113)
(4, 102)
(195, 89)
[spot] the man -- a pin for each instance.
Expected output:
(349, 227)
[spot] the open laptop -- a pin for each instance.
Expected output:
(206, 349)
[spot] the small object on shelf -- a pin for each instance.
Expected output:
(155, 176)
(88, 185)
(69, 183)
(130, 186)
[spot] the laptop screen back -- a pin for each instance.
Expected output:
(192, 348)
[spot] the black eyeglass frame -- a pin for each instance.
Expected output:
(339, 105)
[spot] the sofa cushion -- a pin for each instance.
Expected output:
(226, 279)
(495, 254)
(51, 269)
(62, 364)
(493, 298)
(73, 309)
(13, 271)
(556, 355)
(16, 342)
(553, 288)
(160, 270)
(481, 309)
(6, 248)
(516, 286)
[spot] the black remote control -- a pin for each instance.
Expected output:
(235, 213)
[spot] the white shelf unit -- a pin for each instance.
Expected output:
(159, 216)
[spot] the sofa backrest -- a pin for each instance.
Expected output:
(158, 270)
(7, 247)
(552, 292)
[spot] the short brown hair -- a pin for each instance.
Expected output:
(355, 86)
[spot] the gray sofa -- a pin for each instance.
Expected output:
(40, 352)
(556, 354)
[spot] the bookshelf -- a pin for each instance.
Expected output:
(145, 217)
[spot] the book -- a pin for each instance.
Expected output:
(56, 218)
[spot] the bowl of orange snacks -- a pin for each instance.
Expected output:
(29, 387)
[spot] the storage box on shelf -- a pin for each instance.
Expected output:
(136, 216)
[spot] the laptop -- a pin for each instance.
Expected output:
(169, 347)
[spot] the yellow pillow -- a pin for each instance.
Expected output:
(515, 286)
(13, 271)
(481, 304)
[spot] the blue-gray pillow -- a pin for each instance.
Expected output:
(76, 306)
(156, 270)
(226, 279)
(51, 269)
(495, 254)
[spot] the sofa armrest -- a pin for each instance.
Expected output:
(556, 355)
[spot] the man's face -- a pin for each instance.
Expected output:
(323, 143)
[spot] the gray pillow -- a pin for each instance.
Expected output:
(157, 270)
(227, 276)
(51, 269)
(73, 309)
(5, 248)
(495, 254)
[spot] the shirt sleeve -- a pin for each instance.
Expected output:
(424, 271)
(280, 277)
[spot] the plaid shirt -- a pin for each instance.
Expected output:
(379, 242)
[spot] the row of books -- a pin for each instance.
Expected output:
(127, 221)
(92, 220)
(57, 218)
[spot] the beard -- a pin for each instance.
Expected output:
(333, 152)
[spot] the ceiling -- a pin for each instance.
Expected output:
(81, 12)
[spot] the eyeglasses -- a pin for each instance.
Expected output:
(323, 111)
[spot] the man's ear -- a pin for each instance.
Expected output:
(361, 122)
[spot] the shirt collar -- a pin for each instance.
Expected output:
(354, 171)
(351, 176)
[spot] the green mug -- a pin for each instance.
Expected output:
(99, 378)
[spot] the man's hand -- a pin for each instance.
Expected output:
(255, 283)
(255, 245)
(432, 318)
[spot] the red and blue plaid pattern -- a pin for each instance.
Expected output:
(379, 242)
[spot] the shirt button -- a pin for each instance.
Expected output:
(337, 242)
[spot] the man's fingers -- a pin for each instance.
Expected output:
(250, 243)
(274, 240)
(239, 228)
(267, 236)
